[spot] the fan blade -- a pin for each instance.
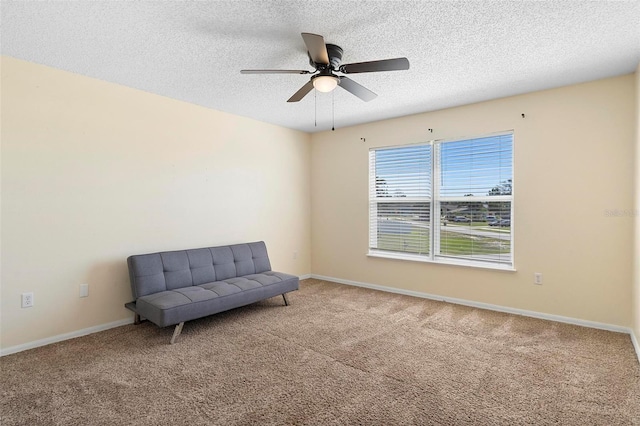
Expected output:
(275, 72)
(357, 89)
(395, 64)
(302, 92)
(316, 47)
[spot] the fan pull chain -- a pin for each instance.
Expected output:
(315, 108)
(333, 111)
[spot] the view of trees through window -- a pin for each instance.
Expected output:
(472, 192)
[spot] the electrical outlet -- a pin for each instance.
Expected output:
(84, 290)
(537, 278)
(27, 300)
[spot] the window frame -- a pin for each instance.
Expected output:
(435, 201)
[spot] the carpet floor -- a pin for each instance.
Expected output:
(339, 355)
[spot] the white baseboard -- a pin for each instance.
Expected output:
(498, 308)
(65, 336)
(636, 345)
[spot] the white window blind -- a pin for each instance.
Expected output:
(448, 201)
(400, 199)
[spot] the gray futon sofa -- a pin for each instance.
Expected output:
(172, 287)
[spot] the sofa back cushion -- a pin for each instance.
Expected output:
(152, 273)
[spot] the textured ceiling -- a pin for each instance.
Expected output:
(460, 52)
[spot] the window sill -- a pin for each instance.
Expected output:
(443, 261)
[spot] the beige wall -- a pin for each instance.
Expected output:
(636, 280)
(93, 172)
(573, 163)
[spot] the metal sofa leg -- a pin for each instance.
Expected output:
(136, 319)
(177, 332)
(286, 301)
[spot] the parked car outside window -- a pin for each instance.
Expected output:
(461, 219)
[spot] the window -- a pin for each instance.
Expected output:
(444, 201)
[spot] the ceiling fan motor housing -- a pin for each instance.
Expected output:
(335, 58)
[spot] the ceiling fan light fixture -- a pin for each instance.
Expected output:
(325, 83)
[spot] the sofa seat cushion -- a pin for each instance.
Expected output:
(183, 304)
(232, 285)
(182, 296)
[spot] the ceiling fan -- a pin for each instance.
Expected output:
(326, 58)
